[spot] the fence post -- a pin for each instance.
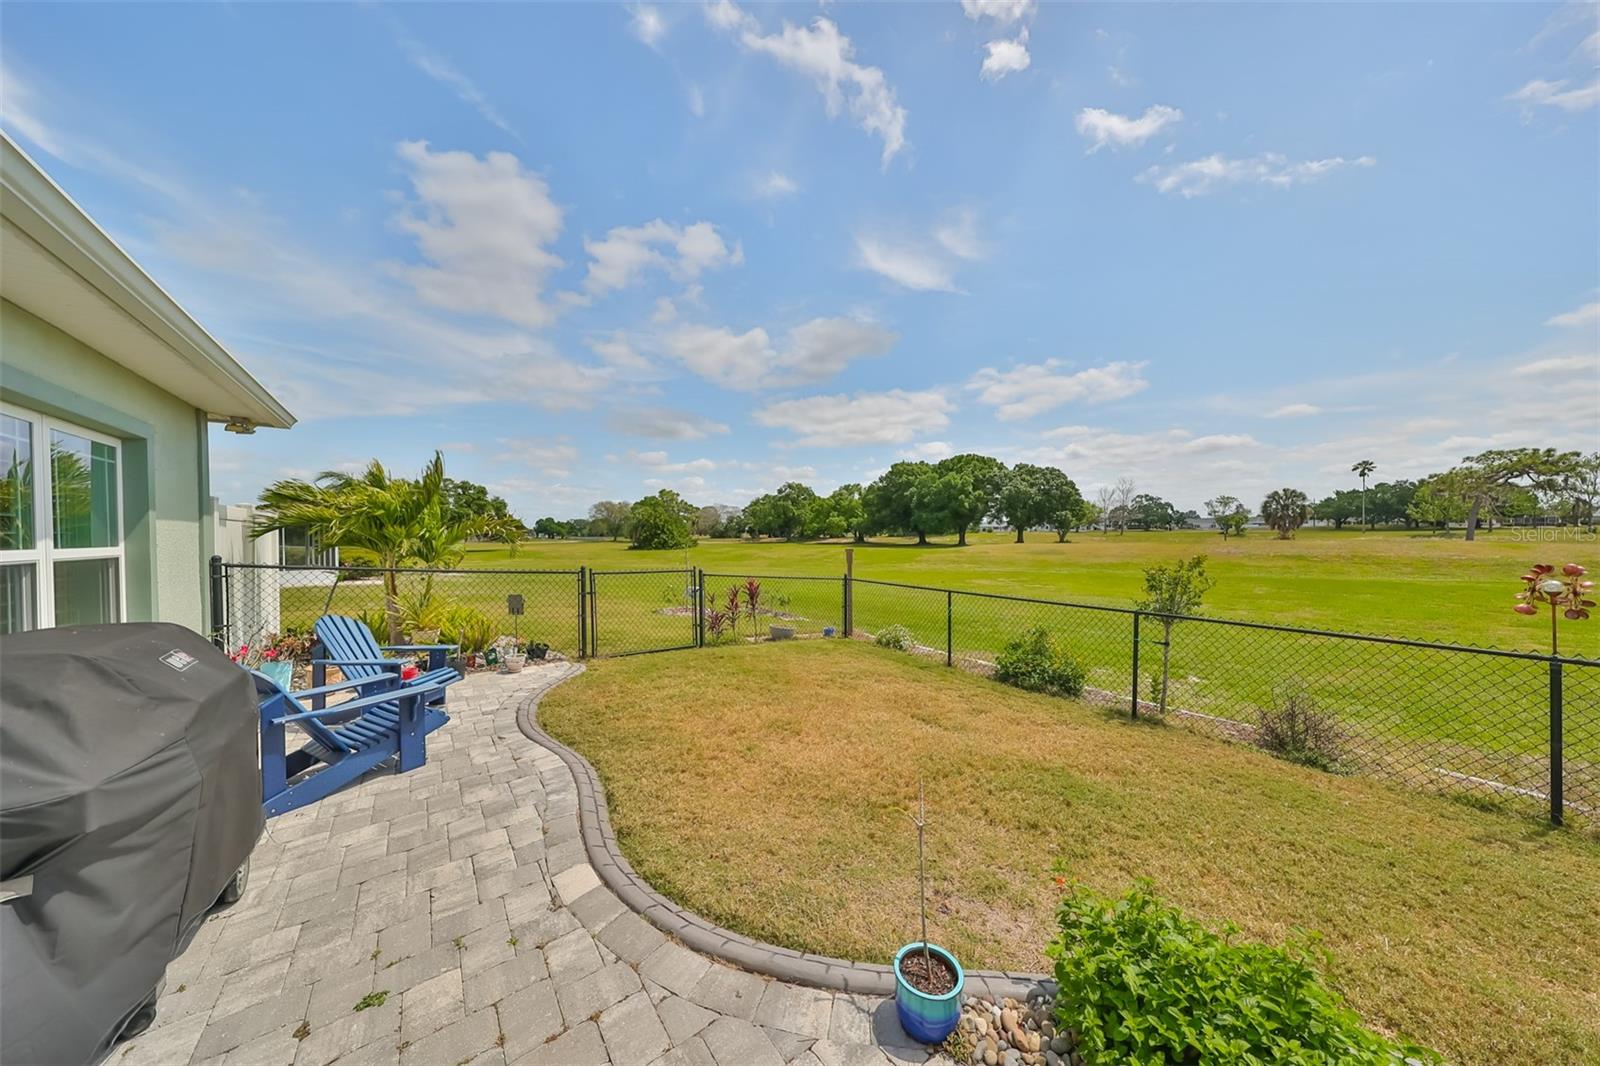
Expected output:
(583, 628)
(949, 628)
(217, 600)
(849, 620)
(700, 608)
(594, 616)
(1557, 747)
(1133, 706)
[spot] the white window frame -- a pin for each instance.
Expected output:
(44, 554)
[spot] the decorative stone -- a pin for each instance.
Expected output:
(981, 1024)
(1051, 1058)
(1060, 1044)
(1008, 1019)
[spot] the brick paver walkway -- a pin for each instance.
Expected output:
(449, 916)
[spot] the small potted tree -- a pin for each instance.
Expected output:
(927, 978)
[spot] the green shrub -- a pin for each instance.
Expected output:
(1296, 729)
(897, 637)
(470, 628)
(1036, 661)
(1142, 983)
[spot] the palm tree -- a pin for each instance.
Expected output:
(1285, 510)
(402, 522)
(1364, 469)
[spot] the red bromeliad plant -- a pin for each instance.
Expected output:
(1567, 595)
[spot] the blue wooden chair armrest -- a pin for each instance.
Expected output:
(340, 686)
(418, 647)
(396, 664)
(356, 705)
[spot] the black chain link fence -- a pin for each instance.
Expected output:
(256, 606)
(1496, 727)
(1504, 728)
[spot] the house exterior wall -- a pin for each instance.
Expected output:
(166, 499)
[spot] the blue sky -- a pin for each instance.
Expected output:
(590, 250)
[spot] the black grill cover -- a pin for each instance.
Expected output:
(130, 790)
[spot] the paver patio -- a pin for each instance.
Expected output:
(450, 916)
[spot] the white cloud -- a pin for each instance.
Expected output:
(1294, 410)
(647, 24)
(960, 236)
(749, 361)
(827, 56)
(483, 225)
(551, 457)
(1101, 127)
(893, 417)
(1587, 315)
(625, 252)
(1005, 12)
(1005, 56)
(775, 185)
(616, 350)
(914, 268)
(1201, 176)
(697, 102)
(659, 462)
(1582, 363)
(1027, 390)
(663, 423)
(440, 70)
(929, 451)
(1541, 93)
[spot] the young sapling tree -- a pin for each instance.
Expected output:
(1171, 594)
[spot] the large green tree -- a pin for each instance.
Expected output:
(1489, 481)
(661, 521)
(964, 490)
(609, 518)
(1033, 496)
(890, 501)
(399, 521)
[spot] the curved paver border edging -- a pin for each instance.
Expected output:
(785, 964)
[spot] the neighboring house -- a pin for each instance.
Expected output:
(107, 388)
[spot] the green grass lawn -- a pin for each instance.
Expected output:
(764, 787)
(1434, 719)
(1395, 584)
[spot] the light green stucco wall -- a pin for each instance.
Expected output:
(165, 477)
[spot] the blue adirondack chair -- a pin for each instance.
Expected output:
(385, 721)
(356, 652)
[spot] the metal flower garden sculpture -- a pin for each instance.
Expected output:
(1566, 594)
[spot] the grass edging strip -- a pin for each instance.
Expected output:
(695, 932)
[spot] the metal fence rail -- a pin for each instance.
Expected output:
(1511, 728)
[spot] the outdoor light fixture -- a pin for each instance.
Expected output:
(240, 425)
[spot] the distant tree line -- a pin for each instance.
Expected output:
(962, 493)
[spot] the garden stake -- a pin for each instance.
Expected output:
(920, 820)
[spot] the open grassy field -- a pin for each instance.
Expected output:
(1413, 585)
(764, 787)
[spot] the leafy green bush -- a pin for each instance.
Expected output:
(470, 628)
(1037, 662)
(897, 637)
(1142, 983)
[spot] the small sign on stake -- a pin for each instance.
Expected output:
(514, 604)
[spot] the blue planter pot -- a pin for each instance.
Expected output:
(927, 1018)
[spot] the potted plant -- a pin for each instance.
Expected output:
(538, 649)
(927, 979)
(507, 651)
